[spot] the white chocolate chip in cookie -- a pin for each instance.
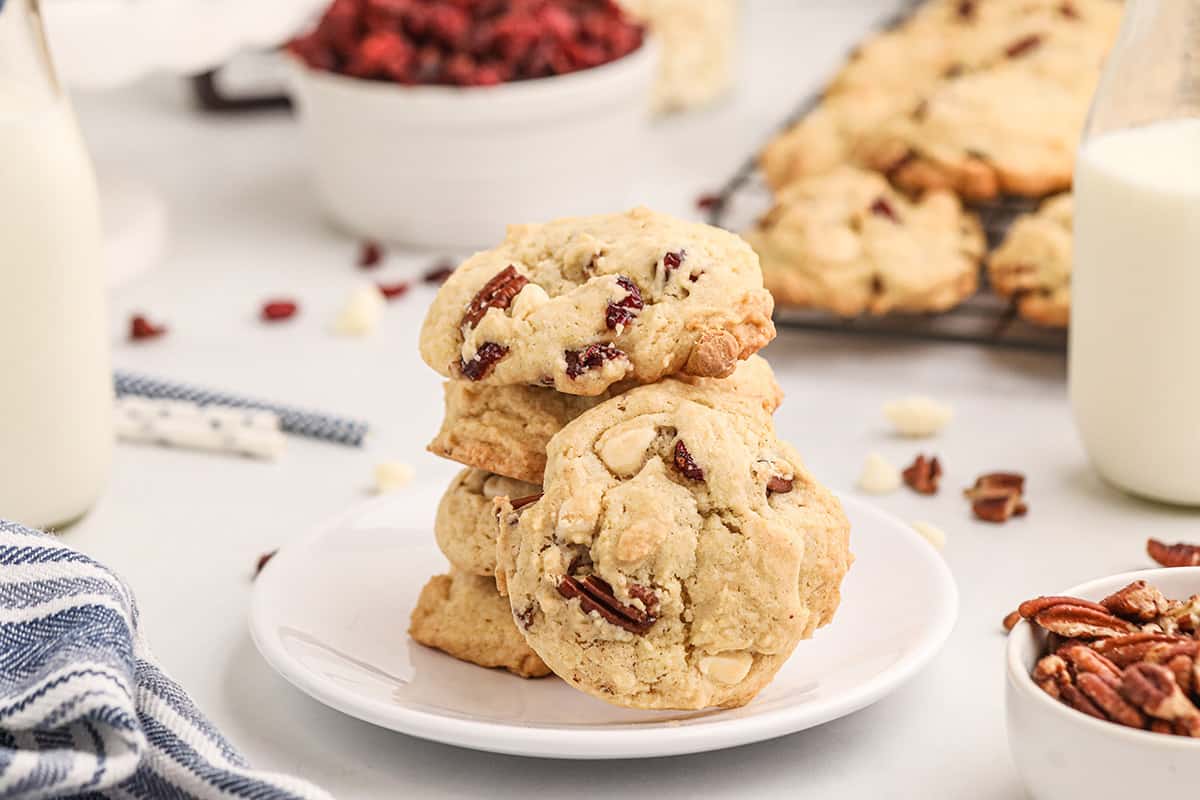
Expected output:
(932, 534)
(577, 518)
(638, 543)
(529, 300)
(623, 450)
(918, 416)
(879, 476)
(727, 668)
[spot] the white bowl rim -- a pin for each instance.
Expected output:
(1021, 680)
(632, 62)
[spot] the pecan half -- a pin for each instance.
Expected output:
(1132, 648)
(923, 474)
(496, 293)
(779, 485)
(484, 360)
(1052, 675)
(1109, 700)
(623, 312)
(686, 464)
(597, 595)
(590, 357)
(1011, 620)
(1073, 618)
(525, 617)
(1181, 616)
(1174, 555)
(1137, 602)
(1152, 688)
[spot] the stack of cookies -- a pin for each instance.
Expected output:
(965, 102)
(628, 519)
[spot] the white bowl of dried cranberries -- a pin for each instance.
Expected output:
(435, 123)
(1103, 688)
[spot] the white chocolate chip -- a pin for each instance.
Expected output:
(624, 451)
(727, 668)
(878, 476)
(528, 300)
(361, 312)
(918, 416)
(392, 475)
(934, 535)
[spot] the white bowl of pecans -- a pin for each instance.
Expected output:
(1103, 689)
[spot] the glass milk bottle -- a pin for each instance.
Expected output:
(1135, 305)
(55, 380)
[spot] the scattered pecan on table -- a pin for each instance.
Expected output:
(998, 496)
(923, 474)
(1174, 555)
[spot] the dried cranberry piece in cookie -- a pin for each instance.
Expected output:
(686, 464)
(882, 208)
(590, 357)
(485, 359)
(496, 293)
(623, 312)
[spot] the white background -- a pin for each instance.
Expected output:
(185, 529)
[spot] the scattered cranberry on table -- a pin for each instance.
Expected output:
(391, 291)
(370, 255)
(278, 310)
(438, 273)
(466, 42)
(140, 328)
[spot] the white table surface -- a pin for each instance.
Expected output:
(185, 529)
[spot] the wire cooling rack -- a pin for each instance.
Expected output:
(983, 319)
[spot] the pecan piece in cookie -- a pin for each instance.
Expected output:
(590, 357)
(623, 312)
(484, 360)
(686, 465)
(1023, 45)
(496, 293)
(597, 595)
(779, 485)
(1174, 555)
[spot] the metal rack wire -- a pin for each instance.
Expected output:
(983, 319)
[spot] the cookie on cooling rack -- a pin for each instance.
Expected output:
(1033, 264)
(464, 616)
(849, 243)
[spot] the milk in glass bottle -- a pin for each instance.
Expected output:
(55, 379)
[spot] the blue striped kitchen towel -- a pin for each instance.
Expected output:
(84, 710)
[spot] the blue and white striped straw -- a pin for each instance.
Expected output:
(292, 420)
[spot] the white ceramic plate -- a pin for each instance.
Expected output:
(330, 612)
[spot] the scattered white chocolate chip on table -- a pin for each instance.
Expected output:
(361, 312)
(392, 475)
(917, 416)
(879, 476)
(932, 534)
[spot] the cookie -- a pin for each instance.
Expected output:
(679, 554)
(1033, 263)
(465, 525)
(849, 243)
(505, 429)
(581, 304)
(463, 616)
(943, 127)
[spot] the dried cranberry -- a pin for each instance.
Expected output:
(262, 561)
(590, 357)
(370, 255)
(672, 260)
(391, 291)
(686, 464)
(278, 310)
(485, 359)
(382, 55)
(142, 328)
(966, 9)
(882, 208)
(624, 311)
(780, 485)
(707, 202)
(438, 273)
